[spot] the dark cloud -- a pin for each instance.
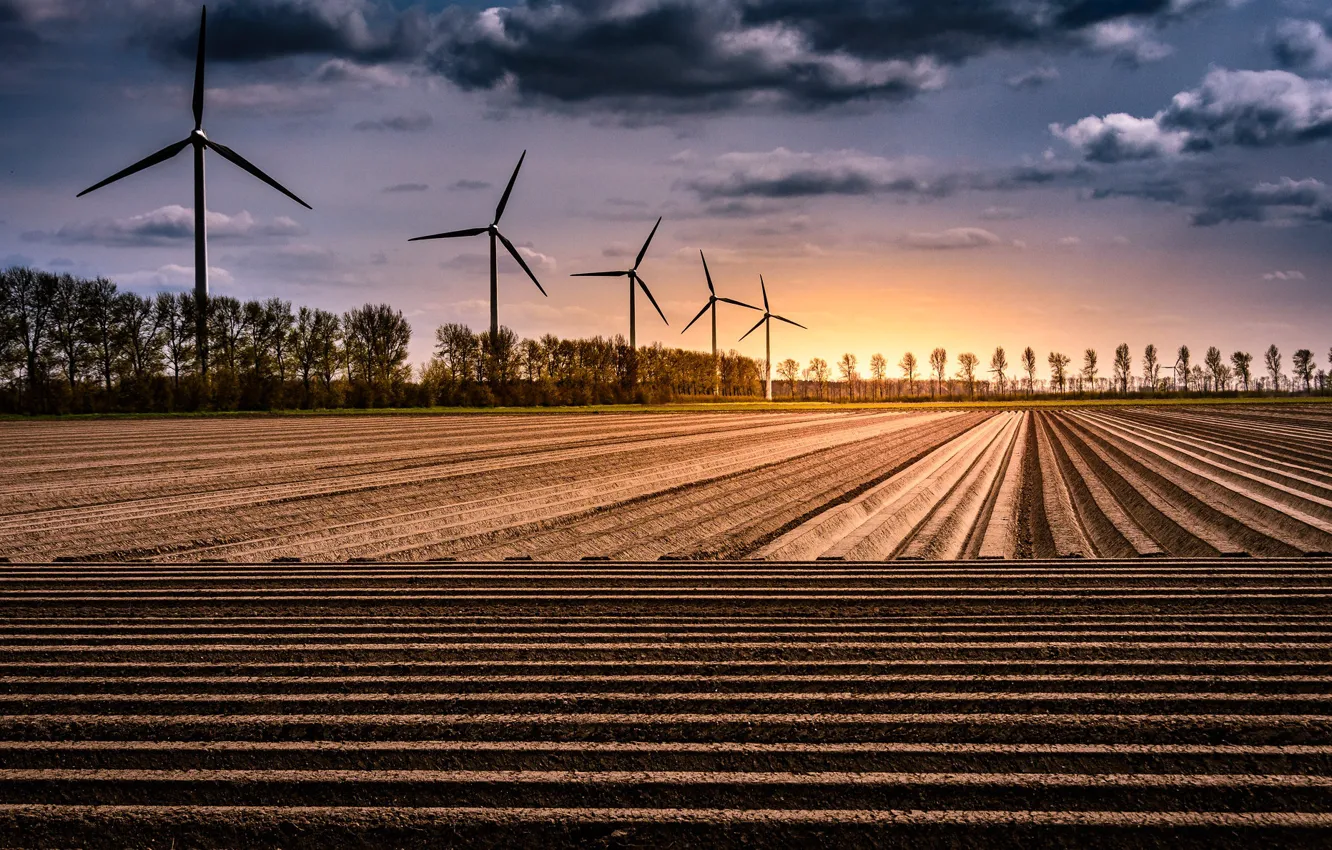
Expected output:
(17, 31)
(1256, 109)
(702, 55)
(782, 173)
(414, 123)
(468, 186)
(1287, 200)
(1304, 46)
(407, 187)
(255, 30)
(165, 226)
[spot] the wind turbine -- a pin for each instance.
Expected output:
(634, 278)
(200, 143)
(713, 298)
(766, 323)
(493, 230)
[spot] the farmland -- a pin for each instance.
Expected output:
(1074, 703)
(857, 486)
(858, 628)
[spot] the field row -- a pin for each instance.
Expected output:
(1122, 702)
(854, 486)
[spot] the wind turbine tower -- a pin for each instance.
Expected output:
(200, 143)
(766, 324)
(635, 281)
(493, 231)
(713, 298)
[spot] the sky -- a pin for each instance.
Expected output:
(905, 174)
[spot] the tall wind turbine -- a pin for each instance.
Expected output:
(766, 323)
(493, 230)
(713, 298)
(200, 143)
(634, 279)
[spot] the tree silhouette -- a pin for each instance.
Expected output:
(966, 370)
(1304, 363)
(1273, 360)
(998, 367)
(1123, 367)
(1216, 368)
(1182, 366)
(1058, 369)
(1151, 367)
(938, 368)
(818, 370)
(1089, 367)
(908, 366)
(847, 368)
(1029, 366)
(878, 371)
(1243, 363)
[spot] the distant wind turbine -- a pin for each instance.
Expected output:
(713, 298)
(493, 230)
(200, 142)
(766, 323)
(634, 279)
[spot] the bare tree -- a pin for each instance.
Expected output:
(280, 320)
(818, 371)
(1123, 367)
(847, 368)
(1151, 367)
(1273, 360)
(69, 325)
(1243, 363)
(1305, 365)
(102, 296)
(1182, 367)
(966, 370)
(1216, 368)
(908, 366)
(878, 371)
(789, 370)
(998, 367)
(1089, 367)
(1059, 369)
(938, 367)
(1029, 366)
(28, 298)
(175, 316)
(137, 318)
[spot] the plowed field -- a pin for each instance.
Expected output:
(855, 486)
(1116, 703)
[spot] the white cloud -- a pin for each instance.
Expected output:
(1290, 275)
(1069, 242)
(1129, 42)
(1118, 137)
(166, 226)
(172, 277)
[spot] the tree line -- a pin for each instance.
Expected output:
(76, 345)
(1150, 375)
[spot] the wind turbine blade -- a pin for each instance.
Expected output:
(508, 190)
(789, 322)
(519, 257)
(638, 262)
(756, 327)
(764, 286)
(452, 234)
(648, 292)
(600, 274)
(199, 73)
(737, 303)
(711, 288)
(237, 159)
(700, 315)
(147, 162)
